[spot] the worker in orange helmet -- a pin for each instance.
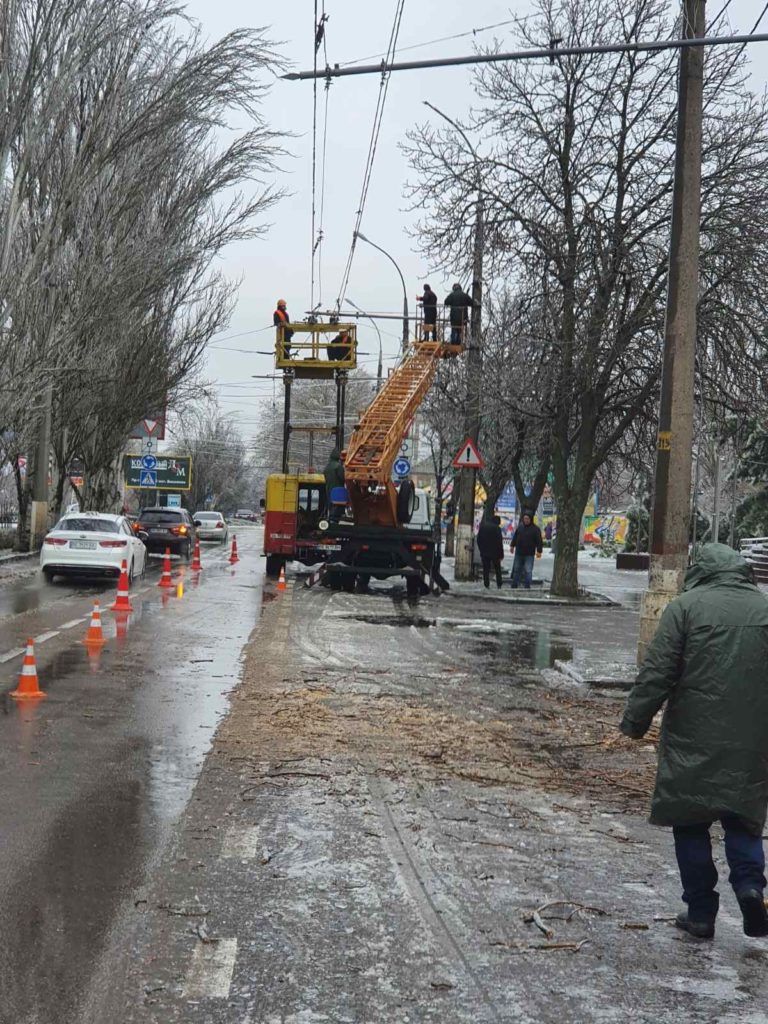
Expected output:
(280, 318)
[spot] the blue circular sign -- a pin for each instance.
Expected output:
(149, 462)
(402, 466)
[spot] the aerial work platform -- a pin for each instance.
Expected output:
(312, 353)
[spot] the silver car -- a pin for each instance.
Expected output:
(211, 526)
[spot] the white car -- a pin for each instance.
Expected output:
(92, 544)
(211, 526)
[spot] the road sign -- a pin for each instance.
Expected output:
(468, 457)
(173, 501)
(402, 466)
(171, 472)
(151, 426)
(148, 462)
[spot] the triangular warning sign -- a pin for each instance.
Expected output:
(468, 457)
(150, 426)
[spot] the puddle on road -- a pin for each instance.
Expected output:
(498, 643)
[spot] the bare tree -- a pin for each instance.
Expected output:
(578, 181)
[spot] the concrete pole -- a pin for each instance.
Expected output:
(39, 507)
(465, 537)
(716, 498)
(672, 492)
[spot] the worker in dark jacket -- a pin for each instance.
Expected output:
(490, 544)
(279, 318)
(458, 302)
(339, 347)
(527, 544)
(429, 304)
(708, 664)
(334, 477)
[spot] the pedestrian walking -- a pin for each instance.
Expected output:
(429, 304)
(280, 318)
(707, 663)
(526, 546)
(490, 544)
(458, 302)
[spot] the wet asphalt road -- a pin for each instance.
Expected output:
(93, 777)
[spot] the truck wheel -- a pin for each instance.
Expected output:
(363, 581)
(334, 580)
(406, 501)
(348, 582)
(274, 565)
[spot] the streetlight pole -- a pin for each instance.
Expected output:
(467, 481)
(672, 490)
(359, 234)
(378, 332)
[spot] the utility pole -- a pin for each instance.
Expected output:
(672, 491)
(39, 510)
(465, 531)
(716, 497)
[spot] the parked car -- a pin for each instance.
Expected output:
(92, 544)
(211, 526)
(246, 513)
(168, 528)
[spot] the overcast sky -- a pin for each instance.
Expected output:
(279, 264)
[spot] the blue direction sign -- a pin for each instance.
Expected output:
(149, 462)
(148, 478)
(402, 466)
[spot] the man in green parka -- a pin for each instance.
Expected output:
(334, 477)
(709, 663)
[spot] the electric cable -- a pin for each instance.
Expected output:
(372, 146)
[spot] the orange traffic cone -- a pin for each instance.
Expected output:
(196, 565)
(165, 579)
(94, 656)
(121, 626)
(281, 580)
(233, 557)
(95, 637)
(122, 601)
(29, 687)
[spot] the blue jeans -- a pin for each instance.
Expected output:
(744, 853)
(522, 566)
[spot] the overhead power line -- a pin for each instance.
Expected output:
(550, 52)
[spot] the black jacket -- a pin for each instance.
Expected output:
(429, 303)
(490, 543)
(526, 540)
(458, 303)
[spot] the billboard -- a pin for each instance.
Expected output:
(158, 472)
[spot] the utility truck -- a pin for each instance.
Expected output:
(378, 528)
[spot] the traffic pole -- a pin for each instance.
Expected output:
(465, 529)
(672, 492)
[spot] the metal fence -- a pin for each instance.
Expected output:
(755, 552)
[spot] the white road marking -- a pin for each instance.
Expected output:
(209, 975)
(10, 655)
(241, 842)
(74, 622)
(46, 636)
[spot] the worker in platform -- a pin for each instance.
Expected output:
(334, 477)
(340, 347)
(429, 304)
(458, 303)
(280, 317)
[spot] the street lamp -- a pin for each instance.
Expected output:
(378, 332)
(466, 503)
(359, 234)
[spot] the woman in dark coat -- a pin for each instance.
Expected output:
(709, 663)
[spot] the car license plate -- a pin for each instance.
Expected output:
(83, 545)
(157, 529)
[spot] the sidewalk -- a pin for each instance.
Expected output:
(373, 830)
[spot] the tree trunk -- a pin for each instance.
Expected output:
(22, 496)
(450, 538)
(565, 576)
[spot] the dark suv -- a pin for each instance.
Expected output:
(167, 528)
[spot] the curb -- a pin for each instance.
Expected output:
(617, 676)
(17, 556)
